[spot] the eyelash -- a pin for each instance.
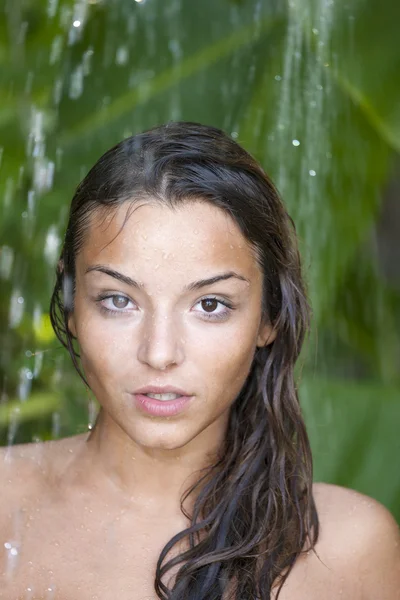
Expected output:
(216, 317)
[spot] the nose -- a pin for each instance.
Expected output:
(161, 342)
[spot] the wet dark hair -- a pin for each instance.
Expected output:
(254, 511)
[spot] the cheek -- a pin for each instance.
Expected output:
(103, 353)
(226, 367)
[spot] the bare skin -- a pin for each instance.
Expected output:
(85, 518)
(83, 541)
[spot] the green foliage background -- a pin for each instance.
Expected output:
(268, 73)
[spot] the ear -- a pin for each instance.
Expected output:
(266, 334)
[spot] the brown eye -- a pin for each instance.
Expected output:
(210, 304)
(118, 301)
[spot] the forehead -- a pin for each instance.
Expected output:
(189, 236)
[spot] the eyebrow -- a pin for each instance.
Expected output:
(195, 285)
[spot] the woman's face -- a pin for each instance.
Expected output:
(161, 332)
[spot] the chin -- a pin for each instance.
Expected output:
(164, 443)
(160, 440)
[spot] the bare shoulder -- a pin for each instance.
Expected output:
(26, 467)
(339, 507)
(359, 537)
(19, 463)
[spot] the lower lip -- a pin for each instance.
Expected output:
(162, 408)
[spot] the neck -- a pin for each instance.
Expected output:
(146, 476)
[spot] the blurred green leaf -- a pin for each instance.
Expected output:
(145, 90)
(38, 405)
(353, 428)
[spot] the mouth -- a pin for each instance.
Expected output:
(164, 397)
(162, 390)
(162, 405)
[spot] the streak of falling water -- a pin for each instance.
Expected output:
(305, 112)
(304, 117)
(305, 95)
(173, 11)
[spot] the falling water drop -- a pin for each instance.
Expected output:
(16, 309)
(76, 83)
(52, 244)
(25, 383)
(56, 48)
(55, 426)
(6, 261)
(52, 8)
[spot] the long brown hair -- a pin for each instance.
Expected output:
(254, 511)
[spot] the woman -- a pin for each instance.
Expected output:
(179, 288)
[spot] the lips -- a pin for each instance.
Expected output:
(162, 408)
(154, 389)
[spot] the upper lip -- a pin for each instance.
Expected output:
(156, 389)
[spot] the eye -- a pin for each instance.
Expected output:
(210, 304)
(116, 304)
